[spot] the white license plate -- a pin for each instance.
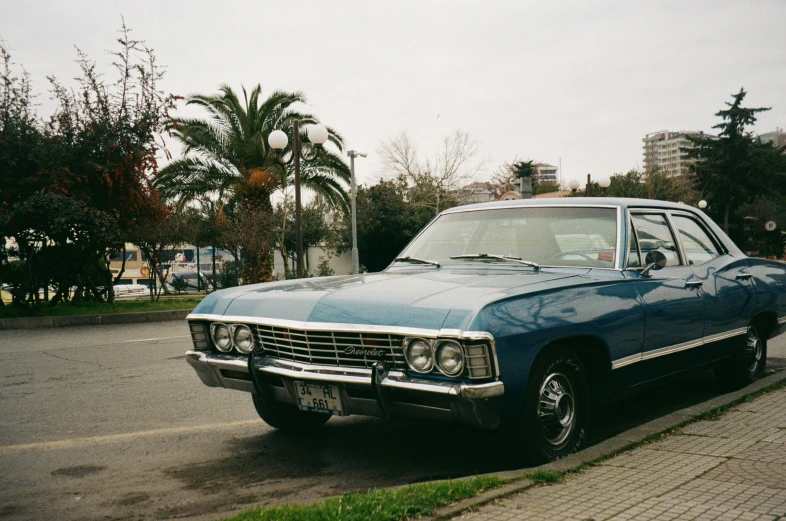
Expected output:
(319, 398)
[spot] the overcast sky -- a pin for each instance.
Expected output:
(581, 80)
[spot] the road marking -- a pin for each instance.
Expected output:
(154, 339)
(91, 440)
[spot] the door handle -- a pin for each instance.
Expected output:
(693, 283)
(743, 276)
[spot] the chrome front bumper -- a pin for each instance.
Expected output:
(395, 393)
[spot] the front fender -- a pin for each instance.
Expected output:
(523, 326)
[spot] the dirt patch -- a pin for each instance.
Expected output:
(78, 471)
(132, 498)
(254, 460)
(7, 510)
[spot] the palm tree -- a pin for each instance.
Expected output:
(228, 153)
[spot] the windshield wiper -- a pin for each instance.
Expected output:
(484, 256)
(416, 261)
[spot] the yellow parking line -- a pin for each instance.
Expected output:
(77, 442)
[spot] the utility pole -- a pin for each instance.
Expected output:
(298, 208)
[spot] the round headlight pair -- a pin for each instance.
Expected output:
(421, 356)
(224, 337)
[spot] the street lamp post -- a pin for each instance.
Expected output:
(573, 185)
(355, 258)
(317, 135)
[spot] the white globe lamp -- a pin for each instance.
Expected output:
(277, 140)
(317, 134)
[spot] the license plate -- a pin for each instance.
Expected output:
(319, 398)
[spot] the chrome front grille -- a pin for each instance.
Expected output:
(348, 349)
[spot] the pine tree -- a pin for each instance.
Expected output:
(734, 167)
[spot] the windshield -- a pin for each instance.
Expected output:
(557, 236)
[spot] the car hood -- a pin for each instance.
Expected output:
(427, 298)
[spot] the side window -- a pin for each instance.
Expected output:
(634, 259)
(654, 234)
(698, 246)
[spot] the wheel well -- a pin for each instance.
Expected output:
(768, 320)
(591, 350)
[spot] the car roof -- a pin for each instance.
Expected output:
(625, 202)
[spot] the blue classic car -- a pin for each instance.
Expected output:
(519, 315)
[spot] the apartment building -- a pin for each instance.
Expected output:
(776, 137)
(546, 173)
(666, 152)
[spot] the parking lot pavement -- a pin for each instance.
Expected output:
(109, 422)
(730, 468)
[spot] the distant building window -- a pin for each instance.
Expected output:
(131, 256)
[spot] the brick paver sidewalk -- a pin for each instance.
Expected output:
(730, 468)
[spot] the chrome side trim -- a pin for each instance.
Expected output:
(618, 252)
(459, 209)
(359, 328)
(782, 320)
(676, 348)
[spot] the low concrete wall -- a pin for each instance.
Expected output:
(92, 320)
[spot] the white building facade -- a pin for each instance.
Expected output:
(667, 152)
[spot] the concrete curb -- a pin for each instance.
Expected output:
(606, 449)
(92, 320)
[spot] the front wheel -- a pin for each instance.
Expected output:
(556, 408)
(288, 418)
(747, 363)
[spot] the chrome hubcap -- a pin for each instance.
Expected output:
(557, 409)
(754, 350)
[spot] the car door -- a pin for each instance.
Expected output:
(727, 288)
(671, 297)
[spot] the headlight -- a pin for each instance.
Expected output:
(419, 356)
(450, 357)
(244, 340)
(222, 338)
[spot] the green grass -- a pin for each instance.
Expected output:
(545, 477)
(398, 504)
(99, 308)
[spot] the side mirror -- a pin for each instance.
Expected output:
(654, 260)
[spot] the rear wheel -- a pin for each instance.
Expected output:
(556, 408)
(288, 418)
(747, 363)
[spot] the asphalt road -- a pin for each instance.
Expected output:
(109, 422)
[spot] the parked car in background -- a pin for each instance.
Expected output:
(187, 281)
(517, 315)
(131, 290)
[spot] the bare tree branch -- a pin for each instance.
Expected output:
(456, 163)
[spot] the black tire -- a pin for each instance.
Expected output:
(287, 418)
(558, 382)
(747, 363)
